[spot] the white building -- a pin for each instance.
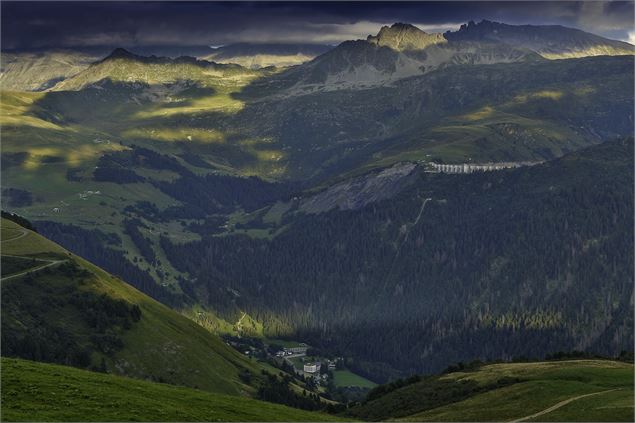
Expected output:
(312, 367)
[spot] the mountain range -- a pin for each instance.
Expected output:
(405, 201)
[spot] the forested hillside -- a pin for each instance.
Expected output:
(305, 197)
(490, 265)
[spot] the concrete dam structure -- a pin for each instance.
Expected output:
(478, 167)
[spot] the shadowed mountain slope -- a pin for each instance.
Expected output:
(550, 41)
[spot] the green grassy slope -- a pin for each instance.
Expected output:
(34, 391)
(544, 385)
(41, 70)
(162, 345)
(510, 391)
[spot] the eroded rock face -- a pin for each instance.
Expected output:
(359, 192)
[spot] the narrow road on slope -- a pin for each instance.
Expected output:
(408, 229)
(49, 263)
(239, 323)
(423, 206)
(23, 234)
(560, 404)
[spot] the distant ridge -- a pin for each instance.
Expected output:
(402, 50)
(122, 53)
(550, 41)
(257, 55)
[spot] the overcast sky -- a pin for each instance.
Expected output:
(130, 24)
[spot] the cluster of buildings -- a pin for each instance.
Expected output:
(299, 350)
(315, 367)
(309, 368)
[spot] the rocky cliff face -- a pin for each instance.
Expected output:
(405, 37)
(358, 192)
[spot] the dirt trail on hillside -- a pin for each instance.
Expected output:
(49, 263)
(22, 235)
(558, 405)
(401, 244)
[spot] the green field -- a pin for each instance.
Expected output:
(282, 342)
(43, 392)
(544, 385)
(348, 378)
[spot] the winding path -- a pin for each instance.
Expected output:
(558, 405)
(24, 233)
(239, 323)
(401, 244)
(48, 263)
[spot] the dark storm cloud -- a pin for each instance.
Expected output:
(65, 24)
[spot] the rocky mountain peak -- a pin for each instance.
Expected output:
(121, 53)
(403, 36)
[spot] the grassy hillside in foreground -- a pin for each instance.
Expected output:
(514, 391)
(34, 391)
(66, 304)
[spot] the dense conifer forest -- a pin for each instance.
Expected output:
(500, 264)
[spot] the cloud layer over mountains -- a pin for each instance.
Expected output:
(40, 25)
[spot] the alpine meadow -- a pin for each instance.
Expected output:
(317, 211)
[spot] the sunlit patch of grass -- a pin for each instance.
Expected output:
(550, 94)
(597, 50)
(176, 134)
(268, 161)
(14, 108)
(269, 155)
(221, 103)
(70, 155)
(480, 114)
(25, 120)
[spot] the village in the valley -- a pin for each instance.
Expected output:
(304, 362)
(315, 367)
